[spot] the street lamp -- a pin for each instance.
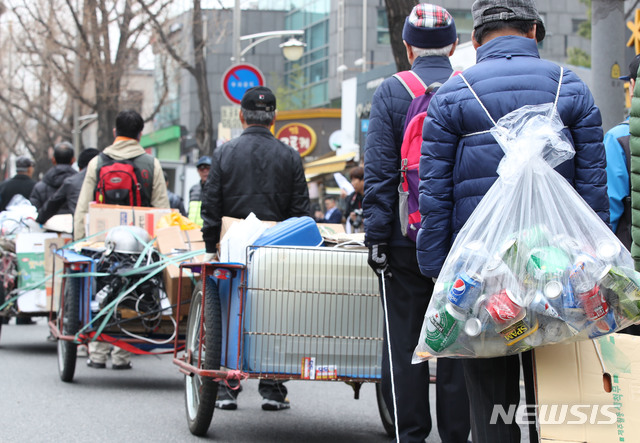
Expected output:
(292, 49)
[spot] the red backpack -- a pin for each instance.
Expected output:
(408, 193)
(124, 182)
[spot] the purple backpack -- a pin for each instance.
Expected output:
(409, 210)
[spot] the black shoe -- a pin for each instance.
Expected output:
(24, 321)
(96, 365)
(126, 365)
(275, 405)
(5, 320)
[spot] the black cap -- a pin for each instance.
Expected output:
(23, 163)
(487, 11)
(205, 160)
(633, 69)
(259, 98)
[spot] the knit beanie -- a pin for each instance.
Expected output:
(429, 26)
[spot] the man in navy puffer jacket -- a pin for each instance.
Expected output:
(430, 38)
(457, 169)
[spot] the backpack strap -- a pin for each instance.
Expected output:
(411, 82)
(555, 101)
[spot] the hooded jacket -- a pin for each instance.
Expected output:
(253, 173)
(459, 157)
(49, 184)
(634, 144)
(122, 149)
(382, 151)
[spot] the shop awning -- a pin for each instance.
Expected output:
(337, 163)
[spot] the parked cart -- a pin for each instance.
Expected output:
(113, 294)
(291, 313)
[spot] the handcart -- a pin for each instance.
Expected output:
(291, 313)
(142, 328)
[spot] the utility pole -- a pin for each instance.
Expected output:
(607, 55)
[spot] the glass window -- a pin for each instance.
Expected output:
(383, 27)
(319, 95)
(463, 20)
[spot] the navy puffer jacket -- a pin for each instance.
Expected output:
(457, 169)
(382, 151)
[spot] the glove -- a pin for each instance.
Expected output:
(209, 257)
(378, 258)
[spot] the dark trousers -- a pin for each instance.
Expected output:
(407, 296)
(268, 389)
(496, 381)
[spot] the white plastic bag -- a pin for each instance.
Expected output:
(534, 264)
(233, 246)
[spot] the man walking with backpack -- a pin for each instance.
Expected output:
(430, 38)
(124, 156)
(459, 164)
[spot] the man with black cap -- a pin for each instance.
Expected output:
(195, 193)
(66, 197)
(460, 158)
(21, 183)
(257, 173)
(430, 38)
(63, 158)
(616, 143)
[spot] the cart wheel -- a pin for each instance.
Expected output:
(385, 415)
(201, 392)
(68, 350)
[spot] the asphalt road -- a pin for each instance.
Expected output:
(146, 404)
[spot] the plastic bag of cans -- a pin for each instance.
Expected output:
(534, 264)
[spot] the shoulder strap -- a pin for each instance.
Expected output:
(555, 102)
(411, 82)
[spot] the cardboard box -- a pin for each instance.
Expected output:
(173, 240)
(30, 255)
(104, 217)
(571, 377)
(50, 258)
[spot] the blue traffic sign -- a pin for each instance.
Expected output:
(237, 79)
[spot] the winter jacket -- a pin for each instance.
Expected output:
(49, 184)
(175, 202)
(122, 149)
(459, 157)
(634, 143)
(617, 173)
(382, 152)
(20, 184)
(195, 203)
(257, 173)
(64, 200)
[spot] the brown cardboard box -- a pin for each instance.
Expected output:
(572, 375)
(104, 217)
(172, 240)
(50, 246)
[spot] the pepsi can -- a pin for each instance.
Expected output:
(604, 325)
(465, 290)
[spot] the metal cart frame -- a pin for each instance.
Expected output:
(210, 341)
(74, 312)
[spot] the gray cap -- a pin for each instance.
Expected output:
(23, 163)
(204, 160)
(488, 11)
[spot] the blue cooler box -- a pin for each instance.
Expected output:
(295, 231)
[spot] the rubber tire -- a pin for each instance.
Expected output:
(68, 350)
(385, 415)
(201, 392)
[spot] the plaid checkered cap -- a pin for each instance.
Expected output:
(429, 26)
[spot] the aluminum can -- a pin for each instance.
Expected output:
(473, 327)
(603, 326)
(593, 303)
(524, 327)
(465, 290)
(608, 250)
(442, 327)
(553, 289)
(504, 308)
(540, 305)
(585, 273)
(547, 263)
(470, 258)
(497, 275)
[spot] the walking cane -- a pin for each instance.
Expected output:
(393, 385)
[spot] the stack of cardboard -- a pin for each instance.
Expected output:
(104, 217)
(171, 242)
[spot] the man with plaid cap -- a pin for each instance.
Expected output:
(430, 38)
(460, 158)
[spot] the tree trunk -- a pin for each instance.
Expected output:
(204, 130)
(397, 12)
